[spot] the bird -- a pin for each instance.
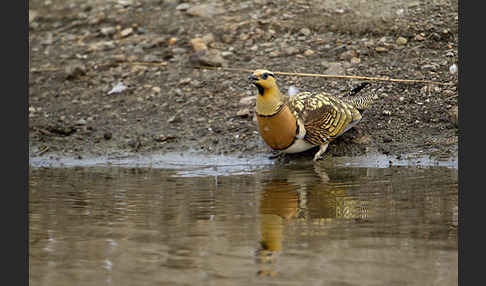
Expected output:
(302, 120)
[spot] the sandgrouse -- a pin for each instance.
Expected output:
(298, 122)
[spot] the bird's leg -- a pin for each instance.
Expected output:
(322, 149)
(276, 155)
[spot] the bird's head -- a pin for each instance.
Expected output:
(263, 79)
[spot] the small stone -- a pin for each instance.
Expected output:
(291, 51)
(381, 49)
(348, 55)
(156, 89)
(172, 41)
(419, 37)
(119, 87)
(208, 58)
(355, 60)
(205, 10)
(334, 68)
(431, 67)
(75, 70)
(126, 32)
(226, 54)
(81, 122)
(448, 93)
(208, 38)
(309, 53)
(247, 100)
(274, 54)
(152, 59)
(245, 112)
(185, 81)
(365, 139)
(305, 31)
(387, 112)
(198, 45)
(163, 138)
(108, 31)
(183, 7)
(174, 119)
(387, 139)
(401, 41)
(453, 69)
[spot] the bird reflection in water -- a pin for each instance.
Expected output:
(279, 204)
(282, 199)
(301, 196)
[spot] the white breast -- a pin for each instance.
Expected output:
(299, 146)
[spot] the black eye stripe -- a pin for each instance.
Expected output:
(266, 75)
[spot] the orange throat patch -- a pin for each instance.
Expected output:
(278, 130)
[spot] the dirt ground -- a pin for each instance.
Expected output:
(80, 50)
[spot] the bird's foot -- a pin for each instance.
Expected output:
(317, 157)
(322, 149)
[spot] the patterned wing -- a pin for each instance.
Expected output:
(324, 117)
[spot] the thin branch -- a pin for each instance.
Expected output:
(335, 76)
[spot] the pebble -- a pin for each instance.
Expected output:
(355, 60)
(245, 112)
(80, 122)
(291, 51)
(387, 112)
(126, 32)
(208, 38)
(381, 49)
(198, 45)
(419, 37)
(430, 67)
(401, 41)
(247, 100)
(308, 53)
(185, 81)
(208, 58)
(75, 70)
(453, 69)
(334, 68)
(108, 31)
(205, 10)
(305, 31)
(226, 54)
(119, 87)
(172, 41)
(365, 139)
(183, 7)
(348, 55)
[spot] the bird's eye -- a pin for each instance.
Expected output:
(264, 76)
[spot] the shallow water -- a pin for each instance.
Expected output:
(243, 224)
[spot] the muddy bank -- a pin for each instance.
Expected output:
(81, 50)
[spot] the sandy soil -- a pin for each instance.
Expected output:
(80, 50)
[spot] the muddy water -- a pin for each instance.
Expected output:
(291, 224)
